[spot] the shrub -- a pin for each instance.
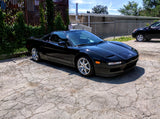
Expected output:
(42, 19)
(20, 29)
(50, 15)
(67, 22)
(2, 27)
(59, 23)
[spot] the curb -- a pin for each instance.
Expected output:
(7, 56)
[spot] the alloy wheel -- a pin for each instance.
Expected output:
(84, 66)
(140, 38)
(35, 55)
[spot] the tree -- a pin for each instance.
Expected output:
(20, 29)
(130, 9)
(11, 12)
(59, 23)
(42, 18)
(151, 8)
(50, 15)
(100, 9)
(2, 26)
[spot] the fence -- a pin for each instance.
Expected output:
(112, 25)
(116, 28)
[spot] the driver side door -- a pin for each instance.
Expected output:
(57, 53)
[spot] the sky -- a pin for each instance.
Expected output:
(87, 5)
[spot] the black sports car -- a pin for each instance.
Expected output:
(85, 51)
(147, 33)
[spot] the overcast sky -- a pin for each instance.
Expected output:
(87, 5)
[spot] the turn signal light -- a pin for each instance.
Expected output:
(97, 62)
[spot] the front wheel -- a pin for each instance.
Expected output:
(85, 66)
(35, 54)
(140, 38)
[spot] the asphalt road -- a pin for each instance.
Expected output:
(30, 90)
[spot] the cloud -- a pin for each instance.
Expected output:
(110, 7)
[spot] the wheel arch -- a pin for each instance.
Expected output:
(81, 55)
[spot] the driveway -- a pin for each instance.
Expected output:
(30, 90)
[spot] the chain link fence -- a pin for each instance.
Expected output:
(116, 28)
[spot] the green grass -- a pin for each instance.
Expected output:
(20, 50)
(122, 39)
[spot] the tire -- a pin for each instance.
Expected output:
(35, 54)
(140, 38)
(85, 66)
(148, 39)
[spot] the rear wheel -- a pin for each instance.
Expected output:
(85, 66)
(140, 38)
(35, 54)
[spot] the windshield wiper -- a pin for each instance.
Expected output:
(100, 42)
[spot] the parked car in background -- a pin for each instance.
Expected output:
(147, 33)
(84, 51)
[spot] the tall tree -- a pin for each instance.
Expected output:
(2, 26)
(50, 15)
(42, 18)
(130, 9)
(100, 9)
(151, 8)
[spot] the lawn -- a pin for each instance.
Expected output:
(121, 39)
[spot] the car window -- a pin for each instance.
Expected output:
(82, 37)
(157, 24)
(55, 39)
(61, 34)
(46, 37)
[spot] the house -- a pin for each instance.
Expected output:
(4, 4)
(32, 14)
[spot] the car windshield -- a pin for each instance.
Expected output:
(157, 24)
(79, 38)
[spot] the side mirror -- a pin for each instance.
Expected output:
(62, 43)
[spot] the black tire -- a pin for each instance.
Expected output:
(85, 66)
(148, 39)
(140, 38)
(35, 54)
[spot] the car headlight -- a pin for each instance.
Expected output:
(114, 63)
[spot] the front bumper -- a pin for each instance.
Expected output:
(110, 71)
(134, 35)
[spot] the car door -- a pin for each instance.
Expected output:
(43, 48)
(60, 54)
(155, 30)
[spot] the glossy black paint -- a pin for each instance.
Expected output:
(148, 32)
(106, 51)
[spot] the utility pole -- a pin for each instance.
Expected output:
(76, 12)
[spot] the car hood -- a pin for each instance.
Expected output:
(112, 50)
(140, 29)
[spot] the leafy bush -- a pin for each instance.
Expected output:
(42, 19)
(2, 27)
(20, 29)
(50, 15)
(59, 23)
